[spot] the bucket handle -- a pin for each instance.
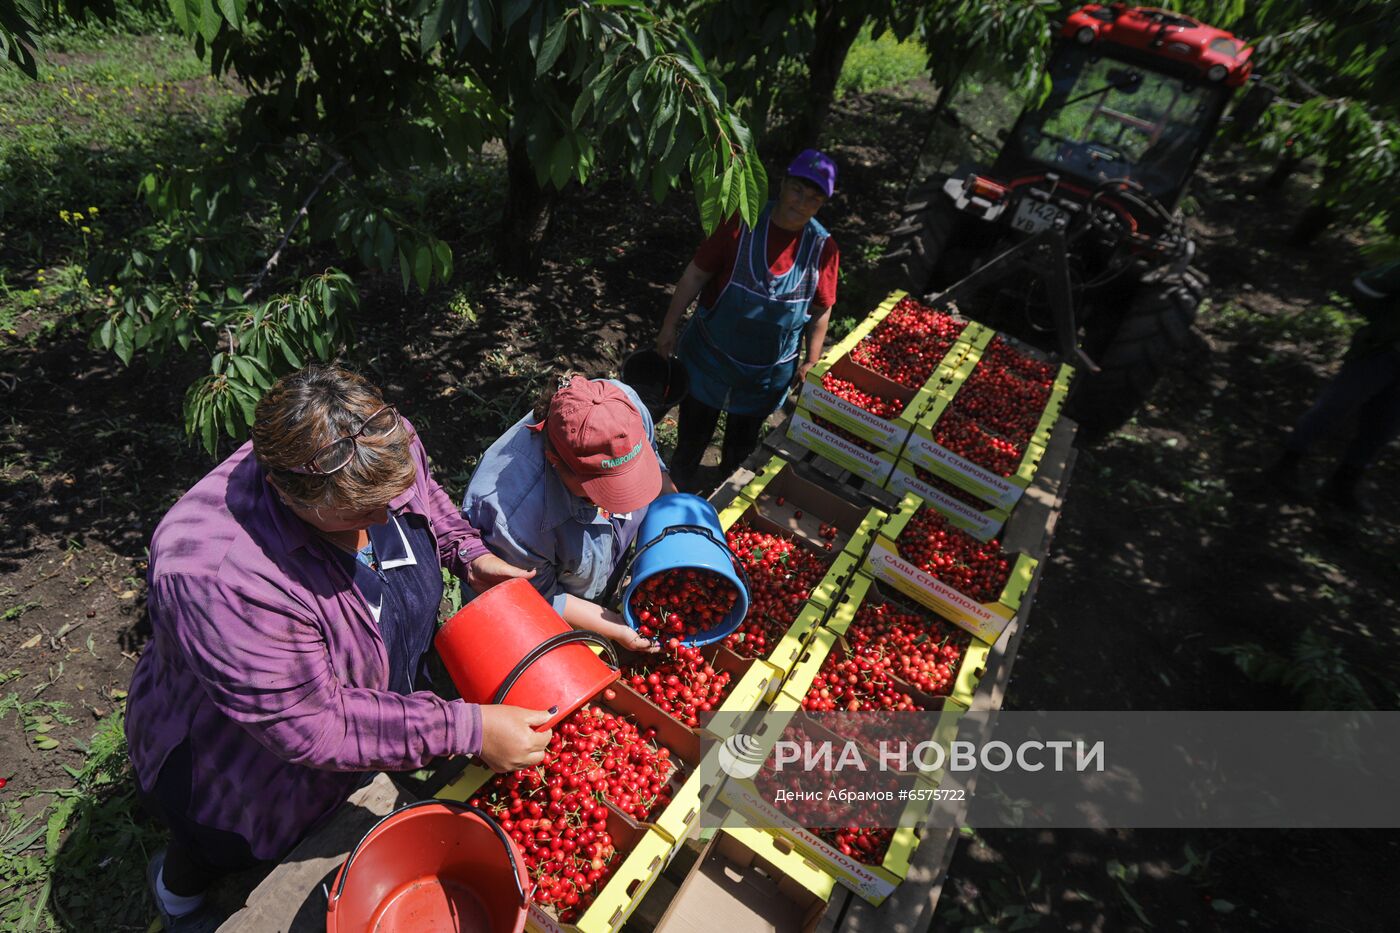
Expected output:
(545, 647)
(700, 529)
(489, 820)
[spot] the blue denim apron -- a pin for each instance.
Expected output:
(408, 595)
(741, 354)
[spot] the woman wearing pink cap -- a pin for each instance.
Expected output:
(563, 492)
(760, 292)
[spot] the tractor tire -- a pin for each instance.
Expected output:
(919, 243)
(1156, 327)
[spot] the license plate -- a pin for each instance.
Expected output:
(1035, 216)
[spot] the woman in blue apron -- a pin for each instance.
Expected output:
(760, 291)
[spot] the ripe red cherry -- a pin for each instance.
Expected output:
(782, 574)
(682, 602)
(996, 411)
(908, 344)
(975, 568)
(880, 405)
(556, 811)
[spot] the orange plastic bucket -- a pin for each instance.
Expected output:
(431, 867)
(508, 645)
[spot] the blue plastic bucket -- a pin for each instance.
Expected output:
(682, 531)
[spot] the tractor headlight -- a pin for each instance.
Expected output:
(1217, 72)
(1085, 35)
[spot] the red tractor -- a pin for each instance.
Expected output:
(1074, 229)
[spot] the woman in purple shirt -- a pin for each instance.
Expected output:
(294, 592)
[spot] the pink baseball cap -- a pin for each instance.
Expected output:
(601, 438)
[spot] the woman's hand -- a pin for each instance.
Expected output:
(509, 739)
(588, 615)
(488, 570)
(666, 341)
(633, 640)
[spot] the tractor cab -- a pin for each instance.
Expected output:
(1072, 233)
(1136, 96)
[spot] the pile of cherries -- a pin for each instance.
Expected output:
(837, 823)
(680, 681)
(959, 432)
(556, 811)
(908, 344)
(857, 683)
(997, 409)
(865, 844)
(879, 405)
(682, 602)
(969, 566)
(782, 574)
(914, 647)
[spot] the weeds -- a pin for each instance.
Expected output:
(78, 862)
(1314, 670)
(1326, 326)
(874, 64)
(14, 612)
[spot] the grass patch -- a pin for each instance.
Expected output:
(105, 110)
(875, 64)
(1327, 327)
(78, 862)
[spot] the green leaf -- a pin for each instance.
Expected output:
(291, 355)
(405, 270)
(234, 11)
(1221, 906)
(551, 49)
(423, 267)
(442, 256)
(245, 369)
(384, 244)
(435, 25)
(514, 9)
(46, 743)
(561, 162)
(124, 340)
(209, 20)
(479, 14)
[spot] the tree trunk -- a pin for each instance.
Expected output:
(1316, 217)
(1283, 169)
(834, 36)
(526, 220)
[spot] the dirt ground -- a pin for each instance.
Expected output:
(1163, 552)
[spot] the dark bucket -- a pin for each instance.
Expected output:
(660, 382)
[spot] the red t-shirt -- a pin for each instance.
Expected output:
(721, 248)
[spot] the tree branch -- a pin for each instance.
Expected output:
(291, 227)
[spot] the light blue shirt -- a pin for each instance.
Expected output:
(527, 516)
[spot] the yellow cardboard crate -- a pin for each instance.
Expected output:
(1000, 491)
(872, 465)
(785, 653)
(625, 888)
(984, 620)
(874, 883)
(984, 524)
(780, 495)
(889, 433)
(786, 858)
(863, 590)
(679, 817)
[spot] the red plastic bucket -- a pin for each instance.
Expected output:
(508, 645)
(431, 867)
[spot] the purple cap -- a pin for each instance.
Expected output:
(816, 167)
